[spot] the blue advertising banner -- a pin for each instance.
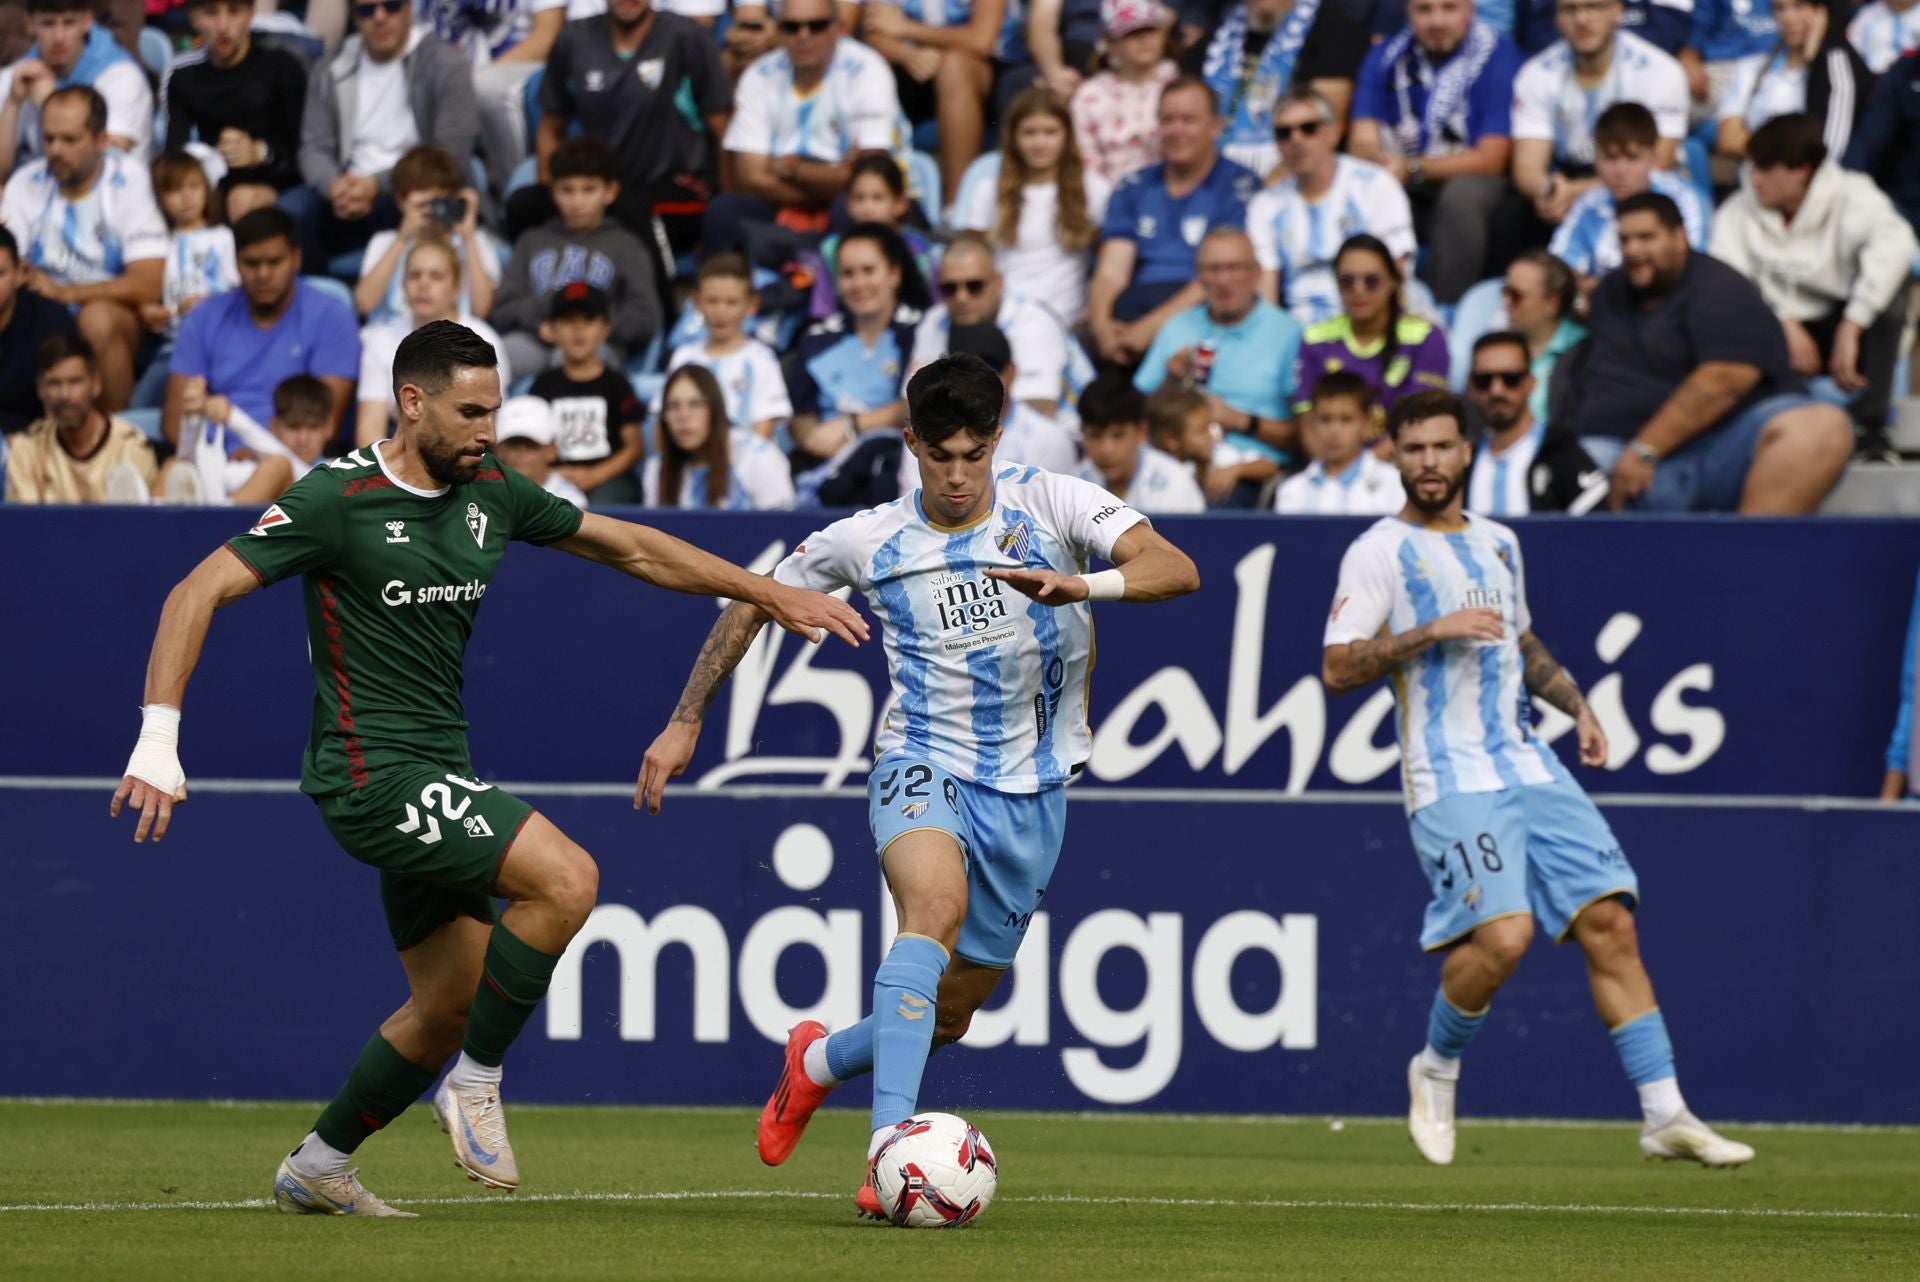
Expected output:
(1730, 657)
(1195, 956)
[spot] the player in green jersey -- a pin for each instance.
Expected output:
(395, 545)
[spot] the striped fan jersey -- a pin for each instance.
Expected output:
(987, 684)
(1465, 721)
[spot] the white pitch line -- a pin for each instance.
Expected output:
(1252, 1204)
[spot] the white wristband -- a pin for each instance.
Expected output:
(1107, 585)
(156, 755)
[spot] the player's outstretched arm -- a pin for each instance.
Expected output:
(667, 562)
(669, 754)
(1147, 568)
(1353, 664)
(1545, 677)
(154, 781)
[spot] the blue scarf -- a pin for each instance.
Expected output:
(101, 52)
(1443, 117)
(1247, 100)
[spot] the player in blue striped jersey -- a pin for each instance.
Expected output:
(980, 577)
(1435, 600)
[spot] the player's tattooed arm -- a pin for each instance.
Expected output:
(1545, 677)
(1355, 663)
(725, 646)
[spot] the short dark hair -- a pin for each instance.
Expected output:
(302, 400)
(983, 340)
(584, 156)
(954, 394)
(1421, 406)
(259, 225)
(424, 168)
(1625, 124)
(96, 105)
(1652, 202)
(1792, 140)
(1344, 382)
(881, 166)
(1562, 285)
(1505, 338)
(724, 267)
(1170, 404)
(1190, 81)
(59, 6)
(9, 246)
(1111, 398)
(428, 357)
(64, 347)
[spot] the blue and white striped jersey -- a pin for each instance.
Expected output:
(1588, 238)
(990, 686)
(1880, 35)
(1465, 723)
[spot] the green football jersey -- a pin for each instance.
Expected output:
(393, 577)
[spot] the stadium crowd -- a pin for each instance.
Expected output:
(1665, 247)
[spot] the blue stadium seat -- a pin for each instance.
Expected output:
(923, 185)
(1475, 314)
(984, 169)
(525, 174)
(156, 51)
(147, 420)
(345, 268)
(332, 288)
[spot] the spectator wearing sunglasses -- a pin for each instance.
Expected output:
(972, 292)
(1523, 465)
(391, 87)
(1374, 337)
(1539, 295)
(1299, 223)
(802, 115)
(1434, 105)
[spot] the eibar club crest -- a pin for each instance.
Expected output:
(477, 522)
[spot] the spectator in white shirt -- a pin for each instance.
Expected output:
(1180, 423)
(698, 461)
(1113, 435)
(746, 369)
(1559, 95)
(1345, 478)
(802, 115)
(1044, 214)
(71, 50)
(1880, 32)
(973, 292)
(1299, 224)
(91, 235)
(433, 196)
(432, 279)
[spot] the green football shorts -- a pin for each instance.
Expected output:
(438, 840)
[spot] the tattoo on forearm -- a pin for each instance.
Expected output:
(1367, 660)
(1545, 677)
(725, 646)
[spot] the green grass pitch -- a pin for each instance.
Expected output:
(176, 1190)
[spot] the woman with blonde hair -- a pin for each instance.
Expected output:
(1044, 215)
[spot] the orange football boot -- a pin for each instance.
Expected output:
(791, 1105)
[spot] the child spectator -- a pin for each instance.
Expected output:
(1374, 337)
(1113, 436)
(746, 369)
(200, 261)
(1044, 214)
(270, 459)
(579, 246)
(877, 193)
(1116, 115)
(523, 440)
(1345, 478)
(428, 187)
(431, 279)
(1624, 140)
(302, 421)
(1180, 424)
(698, 461)
(596, 416)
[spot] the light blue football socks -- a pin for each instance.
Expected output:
(1449, 1029)
(1646, 1053)
(904, 991)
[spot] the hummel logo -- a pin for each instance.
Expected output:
(477, 826)
(907, 1003)
(396, 532)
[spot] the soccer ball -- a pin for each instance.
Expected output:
(934, 1171)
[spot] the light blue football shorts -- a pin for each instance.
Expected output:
(1010, 841)
(1539, 848)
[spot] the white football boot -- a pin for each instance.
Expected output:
(298, 1194)
(474, 1120)
(1687, 1138)
(1430, 1116)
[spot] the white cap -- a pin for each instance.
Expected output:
(528, 417)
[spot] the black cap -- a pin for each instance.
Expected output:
(577, 298)
(983, 340)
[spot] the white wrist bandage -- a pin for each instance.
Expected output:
(156, 755)
(1107, 585)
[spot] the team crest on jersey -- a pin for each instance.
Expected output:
(1473, 898)
(270, 519)
(596, 80)
(477, 826)
(1148, 225)
(1015, 540)
(652, 71)
(1193, 227)
(913, 809)
(477, 523)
